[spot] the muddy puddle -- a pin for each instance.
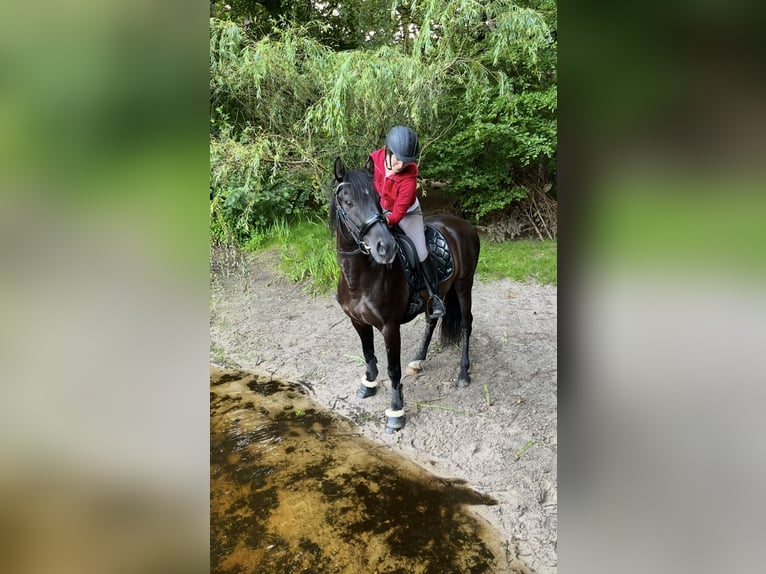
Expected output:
(294, 489)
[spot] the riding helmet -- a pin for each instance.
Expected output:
(403, 142)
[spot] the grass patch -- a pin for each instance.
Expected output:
(276, 234)
(519, 260)
(307, 251)
(308, 254)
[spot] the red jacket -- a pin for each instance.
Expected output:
(397, 191)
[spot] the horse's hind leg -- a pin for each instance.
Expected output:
(465, 379)
(466, 326)
(369, 384)
(415, 366)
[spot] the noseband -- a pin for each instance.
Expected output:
(357, 232)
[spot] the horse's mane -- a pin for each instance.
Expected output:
(358, 180)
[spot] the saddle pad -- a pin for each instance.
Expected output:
(439, 249)
(437, 245)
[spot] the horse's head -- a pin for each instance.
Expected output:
(355, 210)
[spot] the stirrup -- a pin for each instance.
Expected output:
(436, 311)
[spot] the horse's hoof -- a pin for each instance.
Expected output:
(394, 420)
(366, 392)
(463, 383)
(394, 424)
(413, 368)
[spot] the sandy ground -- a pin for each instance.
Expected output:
(499, 434)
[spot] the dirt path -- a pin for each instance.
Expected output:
(506, 449)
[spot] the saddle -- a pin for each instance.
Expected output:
(408, 255)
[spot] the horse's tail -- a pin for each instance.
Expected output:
(450, 329)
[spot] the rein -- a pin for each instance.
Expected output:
(357, 233)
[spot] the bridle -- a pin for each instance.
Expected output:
(357, 232)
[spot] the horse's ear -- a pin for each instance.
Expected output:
(340, 170)
(370, 166)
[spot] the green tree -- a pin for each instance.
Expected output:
(476, 80)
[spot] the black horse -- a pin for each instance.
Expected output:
(373, 289)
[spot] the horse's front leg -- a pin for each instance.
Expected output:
(395, 414)
(416, 365)
(369, 384)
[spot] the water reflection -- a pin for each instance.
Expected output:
(293, 489)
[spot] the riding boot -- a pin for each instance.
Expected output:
(428, 268)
